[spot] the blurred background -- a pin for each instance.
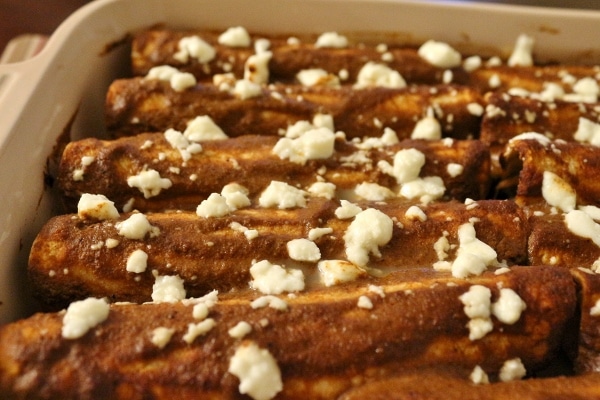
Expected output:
(18, 17)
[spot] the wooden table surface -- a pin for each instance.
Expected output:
(18, 17)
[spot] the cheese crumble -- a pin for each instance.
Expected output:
(282, 195)
(257, 370)
(168, 289)
(137, 261)
(161, 336)
(334, 272)
(557, 192)
(96, 206)
(149, 182)
(274, 279)
(303, 250)
(370, 229)
(440, 54)
(83, 315)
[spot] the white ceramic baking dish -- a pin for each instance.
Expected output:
(62, 89)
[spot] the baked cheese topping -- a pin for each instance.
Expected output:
(168, 289)
(270, 278)
(236, 36)
(334, 272)
(96, 206)
(83, 315)
(257, 370)
(194, 47)
(370, 229)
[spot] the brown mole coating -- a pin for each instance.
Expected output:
(139, 105)
(323, 335)
(251, 162)
(207, 253)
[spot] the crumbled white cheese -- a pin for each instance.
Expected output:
(479, 327)
(365, 302)
(214, 206)
(96, 206)
(347, 210)
(427, 128)
(332, 40)
(269, 301)
(178, 80)
(314, 144)
(323, 189)
(592, 211)
(281, 195)
(388, 138)
(378, 290)
(209, 299)
(508, 307)
(261, 45)
(472, 63)
(274, 279)
(425, 189)
(522, 53)
(111, 243)
(477, 306)
(178, 141)
(236, 196)
(441, 247)
(317, 233)
(161, 336)
(317, 77)
(323, 121)
(198, 329)
(380, 75)
(181, 81)
(557, 192)
(257, 370)
(478, 376)
(194, 47)
(334, 272)
(440, 54)
(454, 169)
(540, 138)
(137, 261)
(595, 310)
(581, 224)
(236, 36)
(407, 165)
(149, 182)
(240, 330)
(588, 132)
(168, 289)
(477, 301)
(200, 311)
(256, 68)
(373, 191)
(475, 109)
(136, 227)
(83, 315)
(249, 233)
(415, 213)
(245, 89)
(512, 370)
(473, 255)
(303, 250)
(370, 229)
(203, 128)
(585, 90)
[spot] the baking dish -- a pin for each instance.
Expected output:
(61, 90)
